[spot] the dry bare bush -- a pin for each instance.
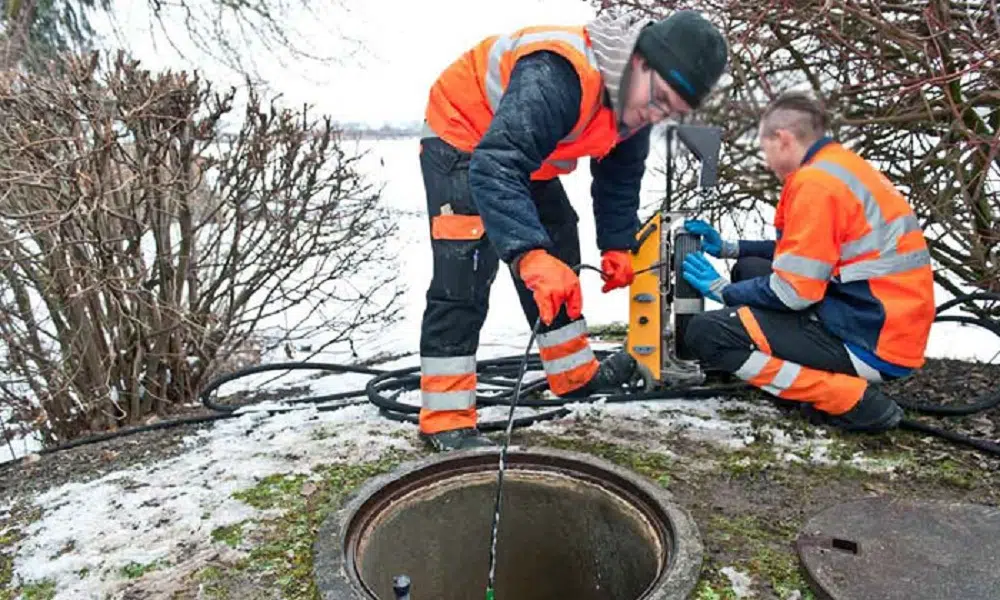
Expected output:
(912, 86)
(141, 247)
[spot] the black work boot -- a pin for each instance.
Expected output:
(456, 439)
(874, 413)
(614, 374)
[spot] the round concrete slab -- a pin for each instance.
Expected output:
(574, 526)
(893, 549)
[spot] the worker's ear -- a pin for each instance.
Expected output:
(639, 64)
(786, 139)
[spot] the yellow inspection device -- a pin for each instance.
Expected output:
(661, 302)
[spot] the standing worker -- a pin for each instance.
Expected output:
(502, 123)
(848, 300)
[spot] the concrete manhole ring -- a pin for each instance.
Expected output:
(572, 527)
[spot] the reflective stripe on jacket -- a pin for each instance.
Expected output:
(851, 243)
(466, 95)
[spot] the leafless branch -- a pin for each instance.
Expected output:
(143, 251)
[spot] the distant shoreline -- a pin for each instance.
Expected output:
(379, 132)
(377, 135)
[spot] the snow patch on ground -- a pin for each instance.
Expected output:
(729, 424)
(699, 419)
(741, 583)
(167, 511)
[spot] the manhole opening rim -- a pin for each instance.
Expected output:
(678, 533)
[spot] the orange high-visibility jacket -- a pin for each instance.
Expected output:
(851, 242)
(463, 99)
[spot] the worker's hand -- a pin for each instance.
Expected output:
(553, 284)
(711, 240)
(703, 277)
(616, 267)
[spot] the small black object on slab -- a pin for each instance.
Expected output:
(401, 587)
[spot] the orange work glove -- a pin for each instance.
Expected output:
(553, 283)
(616, 265)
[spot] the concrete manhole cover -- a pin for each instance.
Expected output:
(903, 549)
(573, 527)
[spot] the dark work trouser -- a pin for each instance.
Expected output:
(790, 355)
(465, 266)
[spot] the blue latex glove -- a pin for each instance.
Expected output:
(703, 277)
(711, 240)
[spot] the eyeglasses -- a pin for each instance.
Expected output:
(663, 106)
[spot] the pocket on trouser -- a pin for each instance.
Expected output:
(457, 227)
(464, 262)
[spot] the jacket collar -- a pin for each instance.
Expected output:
(814, 149)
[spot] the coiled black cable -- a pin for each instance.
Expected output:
(498, 377)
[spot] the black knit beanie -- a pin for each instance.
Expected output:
(687, 51)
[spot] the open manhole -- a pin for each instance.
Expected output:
(572, 527)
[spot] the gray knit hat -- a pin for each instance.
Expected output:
(687, 51)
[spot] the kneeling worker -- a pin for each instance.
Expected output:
(843, 299)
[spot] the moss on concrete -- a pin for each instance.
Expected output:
(135, 570)
(6, 576)
(765, 550)
(211, 583)
(653, 465)
(272, 491)
(708, 590)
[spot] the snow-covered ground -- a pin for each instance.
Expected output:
(152, 513)
(166, 511)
